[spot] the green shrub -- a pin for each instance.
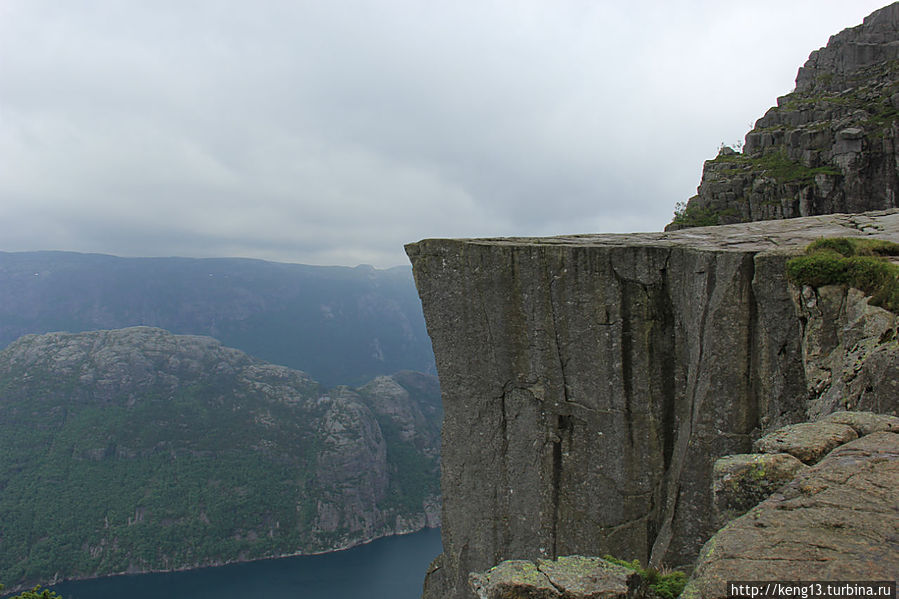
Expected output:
(667, 585)
(826, 268)
(854, 246)
(691, 215)
(35, 593)
(775, 164)
(859, 263)
(840, 245)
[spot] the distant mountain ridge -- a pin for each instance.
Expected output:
(136, 450)
(342, 325)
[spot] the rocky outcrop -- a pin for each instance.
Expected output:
(590, 382)
(351, 471)
(134, 449)
(849, 351)
(569, 577)
(832, 145)
(411, 402)
(836, 521)
(740, 482)
(812, 536)
(806, 441)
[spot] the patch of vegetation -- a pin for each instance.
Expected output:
(195, 465)
(873, 100)
(665, 583)
(776, 165)
(691, 215)
(90, 492)
(35, 593)
(858, 262)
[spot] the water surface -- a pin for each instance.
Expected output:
(389, 568)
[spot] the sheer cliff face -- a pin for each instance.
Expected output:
(590, 382)
(829, 146)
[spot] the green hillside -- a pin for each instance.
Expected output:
(135, 449)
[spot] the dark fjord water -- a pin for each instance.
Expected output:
(389, 568)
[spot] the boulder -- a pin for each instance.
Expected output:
(808, 441)
(865, 423)
(740, 482)
(569, 577)
(835, 521)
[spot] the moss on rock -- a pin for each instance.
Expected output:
(862, 263)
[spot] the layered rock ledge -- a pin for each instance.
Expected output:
(590, 382)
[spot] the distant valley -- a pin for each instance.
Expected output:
(343, 326)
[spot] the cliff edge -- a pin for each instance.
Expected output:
(590, 382)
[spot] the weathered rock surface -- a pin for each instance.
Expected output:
(165, 451)
(568, 577)
(849, 352)
(510, 579)
(807, 441)
(590, 382)
(742, 481)
(850, 52)
(865, 423)
(829, 146)
(836, 521)
(411, 401)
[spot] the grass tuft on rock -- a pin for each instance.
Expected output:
(667, 584)
(857, 262)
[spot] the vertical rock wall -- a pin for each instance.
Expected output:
(589, 383)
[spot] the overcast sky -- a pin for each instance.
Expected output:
(335, 131)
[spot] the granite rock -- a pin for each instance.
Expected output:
(850, 352)
(568, 577)
(590, 382)
(807, 441)
(836, 521)
(742, 481)
(865, 423)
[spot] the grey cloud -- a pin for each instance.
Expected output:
(333, 132)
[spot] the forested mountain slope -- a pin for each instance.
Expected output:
(135, 449)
